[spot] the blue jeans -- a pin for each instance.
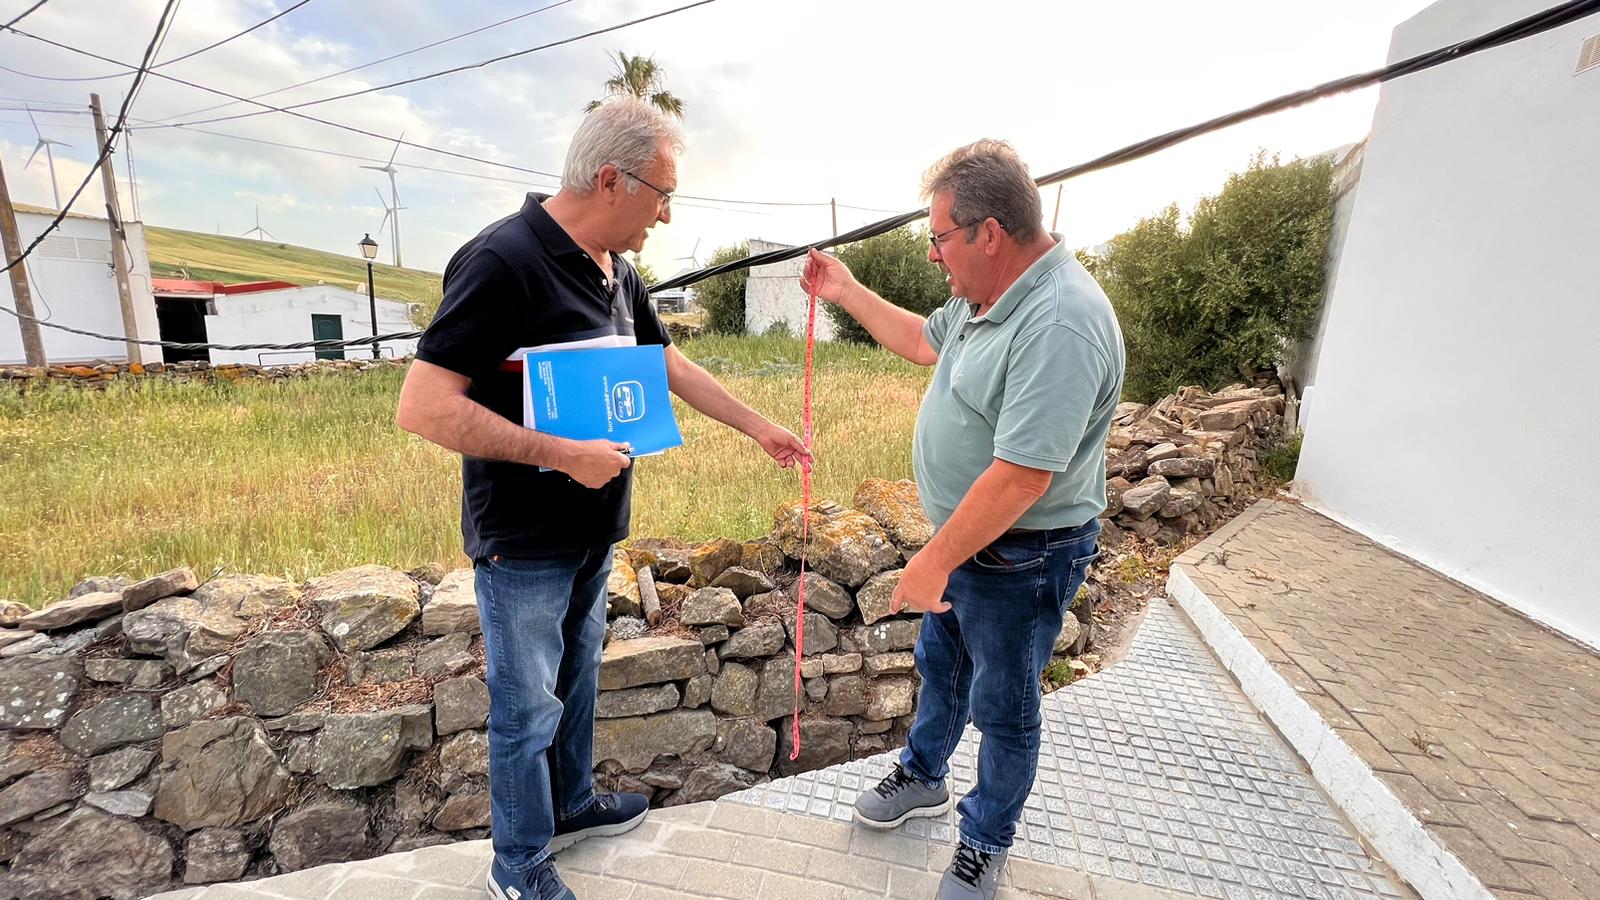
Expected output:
(544, 622)
(984, 657)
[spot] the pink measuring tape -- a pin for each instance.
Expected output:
(805, 522)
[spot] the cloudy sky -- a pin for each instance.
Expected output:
(785, 103)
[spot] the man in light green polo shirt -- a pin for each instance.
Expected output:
(1010, 463)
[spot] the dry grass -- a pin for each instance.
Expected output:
(300, 478)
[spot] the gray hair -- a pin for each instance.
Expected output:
(623, 132)
(988, 179)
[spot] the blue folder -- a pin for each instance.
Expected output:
(611, 393)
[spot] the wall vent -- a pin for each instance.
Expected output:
(1588, 55)
(58, 247)
(95, 250)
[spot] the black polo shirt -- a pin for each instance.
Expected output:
(524, 284)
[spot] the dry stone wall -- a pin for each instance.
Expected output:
(101, 374)
(1180, 466)
(172, 731)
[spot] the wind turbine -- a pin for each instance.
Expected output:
(393, 206)
(693, 257)
(258, 229)
(48, 156)
(694, 263)
(388, 213)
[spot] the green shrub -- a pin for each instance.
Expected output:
(1212, 299)
(1060, 672)
(1280, 454)
(722, 296)
(424, 309)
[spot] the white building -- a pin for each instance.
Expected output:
(1453, 409)
(275, 312)
(71, 280)
(773, 296)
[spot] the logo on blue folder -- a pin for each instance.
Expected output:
(627, 401)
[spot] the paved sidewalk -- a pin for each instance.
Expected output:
(1461, 736)
(1157, 781)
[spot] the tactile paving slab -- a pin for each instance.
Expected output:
(1157, 771)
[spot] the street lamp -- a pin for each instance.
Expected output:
(369, 249)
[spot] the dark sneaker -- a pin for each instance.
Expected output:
(972, 875)
(609, 814)
(538, 883)
(899, 797)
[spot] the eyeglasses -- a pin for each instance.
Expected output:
(937, 239)
(666, 196)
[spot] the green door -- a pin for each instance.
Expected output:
(324, 328)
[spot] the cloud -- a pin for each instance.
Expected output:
(839, 99)
(271, 202)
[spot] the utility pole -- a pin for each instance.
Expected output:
(32, 343)
(119, 254)
(1056, 217)
(834, 203)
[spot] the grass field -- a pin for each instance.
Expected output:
(210, 257)
(303, 477)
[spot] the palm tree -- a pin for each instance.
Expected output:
(639, 76)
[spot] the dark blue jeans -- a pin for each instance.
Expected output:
(983, 658)
(544, 622)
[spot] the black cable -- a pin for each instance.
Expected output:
(40, 104)
(267, 107)
(111, 140)
(451, 71)
(299, 115)
(343, 155)
(678, 198)
(1553, 17)
(162, 43)
(23, 15)
(457, 172)
(1537, 23)
(63, 77)
(267, 21)
(28, 107)
(38, 295)
(863, 208)
(326, 344)
(111, 75)
(147, 124)
(366, 65)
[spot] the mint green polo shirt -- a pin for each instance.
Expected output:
(1033, 381)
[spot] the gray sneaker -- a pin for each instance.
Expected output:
(972, 875)
(899, 797)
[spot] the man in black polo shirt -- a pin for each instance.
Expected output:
(540, 514)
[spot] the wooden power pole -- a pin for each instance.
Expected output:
(119, 254)
(32, 343)
(834, 203)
